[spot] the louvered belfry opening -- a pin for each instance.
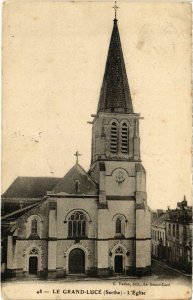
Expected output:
(124, 138)
(114, 138)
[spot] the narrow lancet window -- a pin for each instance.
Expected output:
(118, 226)
(114, 138)
(34, 226)
(124, 138)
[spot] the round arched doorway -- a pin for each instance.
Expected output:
(77, 261)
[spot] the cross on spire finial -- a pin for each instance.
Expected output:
(77, 154)
(115, 8)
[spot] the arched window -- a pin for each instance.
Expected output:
(34, 226)
(124, 138)
(118, 226)
(77, 225)
(114, 138)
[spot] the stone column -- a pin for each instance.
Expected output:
(136, 142)
(102, 244)
(52, 242)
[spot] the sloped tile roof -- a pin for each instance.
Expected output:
(30, 187)
(16, 214)
(76, 181)
(160, 220)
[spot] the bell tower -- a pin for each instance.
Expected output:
(116, 166)
(115, 132)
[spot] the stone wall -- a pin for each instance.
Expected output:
(24, 224)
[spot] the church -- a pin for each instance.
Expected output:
(88, 223)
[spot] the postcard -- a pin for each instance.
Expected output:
(96, 150)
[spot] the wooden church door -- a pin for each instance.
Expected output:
(77, 261)
(33, 265)
(118, 264)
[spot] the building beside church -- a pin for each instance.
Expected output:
(158, 235)
(95, 223)
(171, 235)
(179, 237)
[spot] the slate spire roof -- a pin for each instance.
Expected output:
(115, 94)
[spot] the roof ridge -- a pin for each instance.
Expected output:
(30, 187)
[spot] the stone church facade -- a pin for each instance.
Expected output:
(94, 223)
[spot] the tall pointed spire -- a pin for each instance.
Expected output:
(115, 94)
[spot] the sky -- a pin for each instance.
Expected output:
(54, 55)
